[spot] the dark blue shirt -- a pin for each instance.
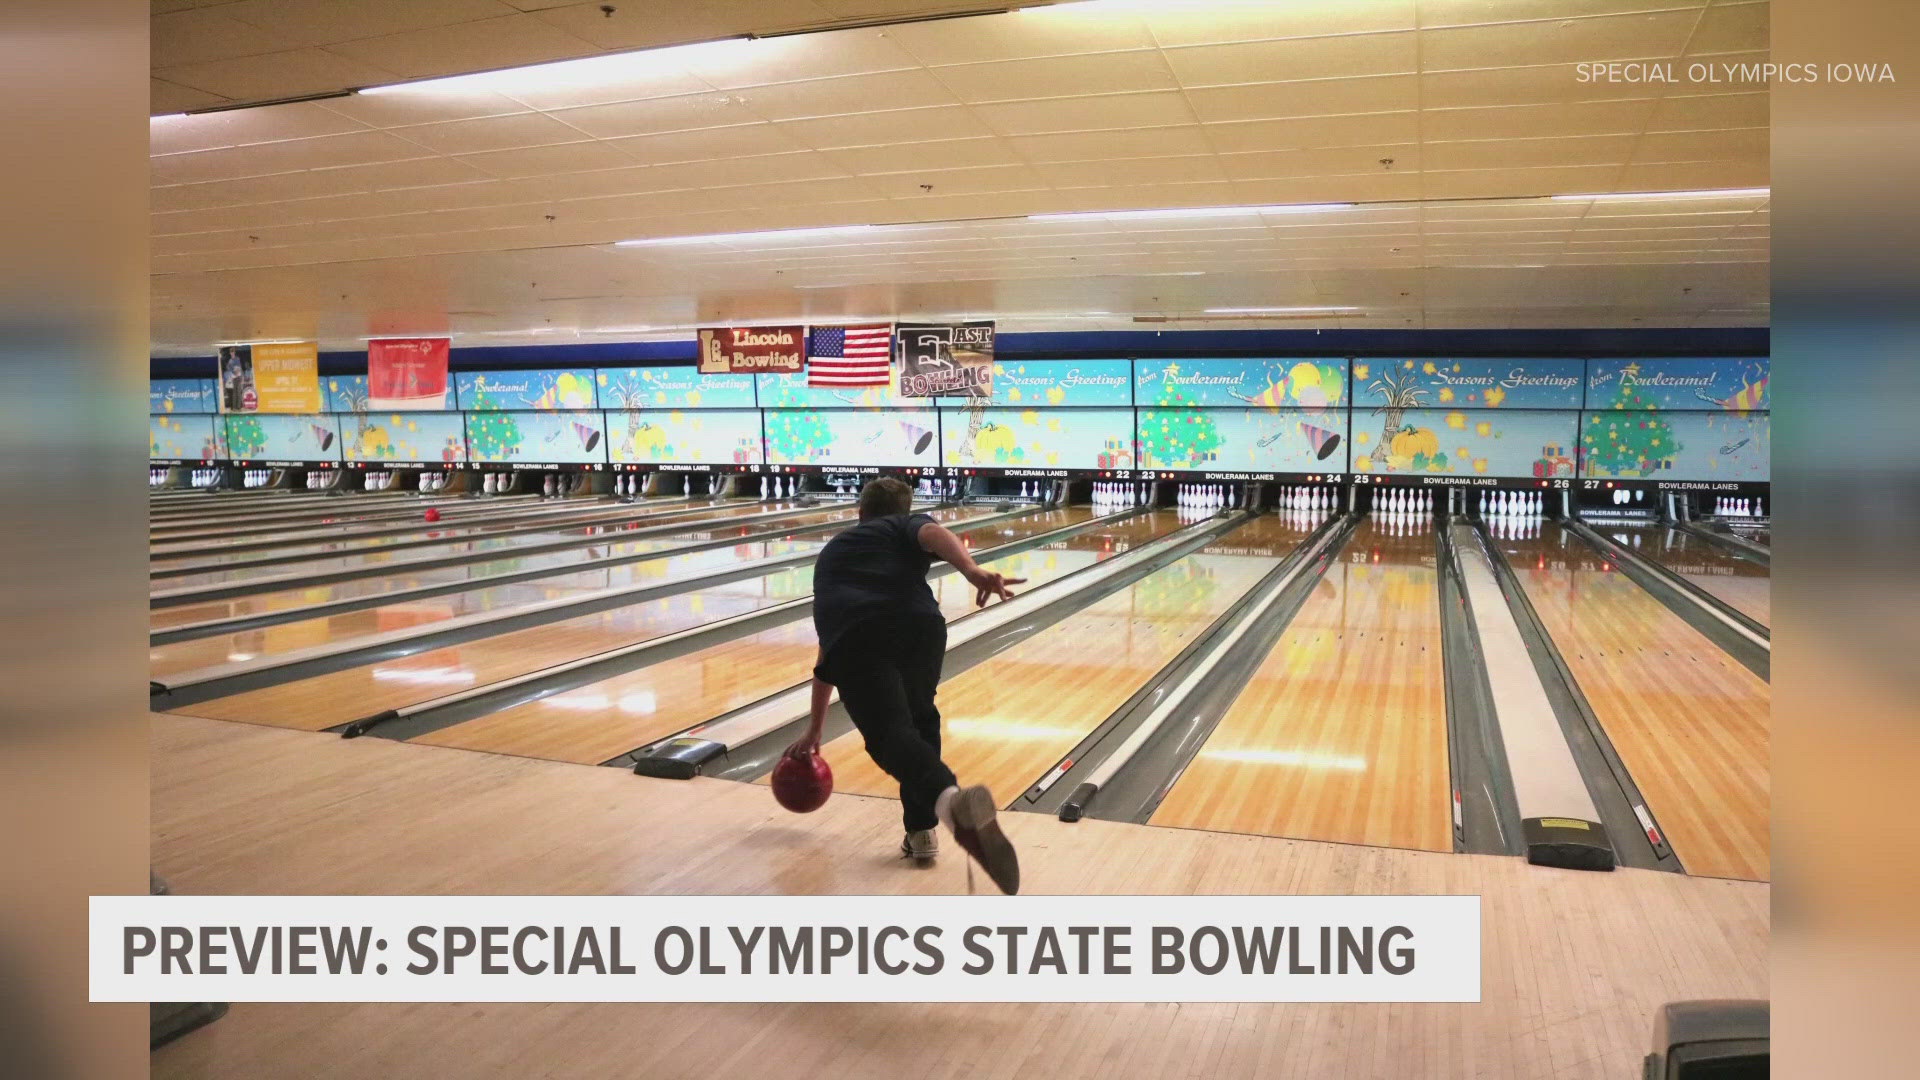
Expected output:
(874, 570)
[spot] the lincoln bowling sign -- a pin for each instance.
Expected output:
(739, 349)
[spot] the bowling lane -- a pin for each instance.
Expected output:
(1341, 733)
(179, 656)
(321, 539)
(585, 556)
(284, 508)
(1743, 584)
(453, 510)
(603, 720)
(502, 545)
(1687, 719)
(1008, 720)
(337, 697)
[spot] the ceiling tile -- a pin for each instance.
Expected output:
(1065, 30)
(687, 113)
(292, 155)
(735, 64)
(1731, 28)
(303, 22)
(1340, 161)
(1107, 112)
(1529, 153)
(912, 89)
(1060, 76)
(1313, 97)
(910, 157)
(1174, 25)
(167, 97)
(200, 35)
(509, 41)
(1112, 145)
(1642, 35)
(1744, 144)
(280, 74)
(1161, 170)
(712, 144)
(1710, 112)
(1518, 183)
(545, 160)
(1295, 59)
(639, 26)
(210, 131)
(886, 128)
(1314, 132)
(1538, 121)
(489, 133)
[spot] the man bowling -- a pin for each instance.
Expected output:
(882, 642)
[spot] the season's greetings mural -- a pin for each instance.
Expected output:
(559, 438)
(1037, 438)
(672, 388)
(1695, 418)
(1504, 443)
(685, 437)
(282, 437)
(849, 437)
(183, 437)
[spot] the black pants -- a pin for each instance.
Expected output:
(887, 672)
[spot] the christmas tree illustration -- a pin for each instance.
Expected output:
(494, 435)
(1175, 434)
(245, 436)
(1630, 439)
(796, 437)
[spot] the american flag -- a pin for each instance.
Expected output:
(849, 355)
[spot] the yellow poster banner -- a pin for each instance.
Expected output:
(286, 377)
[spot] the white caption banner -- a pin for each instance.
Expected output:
(785, 948)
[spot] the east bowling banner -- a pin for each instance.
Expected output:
(945, 360)
(1064, 382)
(182, 396)
(746, 349)
(534, 391)
(1468, 383)
(689, 437)
(672, 388)
(1700, 384)
(407, 374)
(285, 378)
(1268, 383)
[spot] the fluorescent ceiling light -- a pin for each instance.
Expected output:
(1191, 211)
(1273, 310)
(1623, 196)
(266, 341)
(166, 116)
(747, 237)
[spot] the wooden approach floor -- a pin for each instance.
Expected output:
(1574, 963)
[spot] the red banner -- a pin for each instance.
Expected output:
(741, 349)
(406, 373)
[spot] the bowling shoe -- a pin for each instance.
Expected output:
(976, 829)
(920, 844)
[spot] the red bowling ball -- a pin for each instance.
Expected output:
(433, 515)
(803, 779)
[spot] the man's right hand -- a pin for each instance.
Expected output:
(986, 583)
